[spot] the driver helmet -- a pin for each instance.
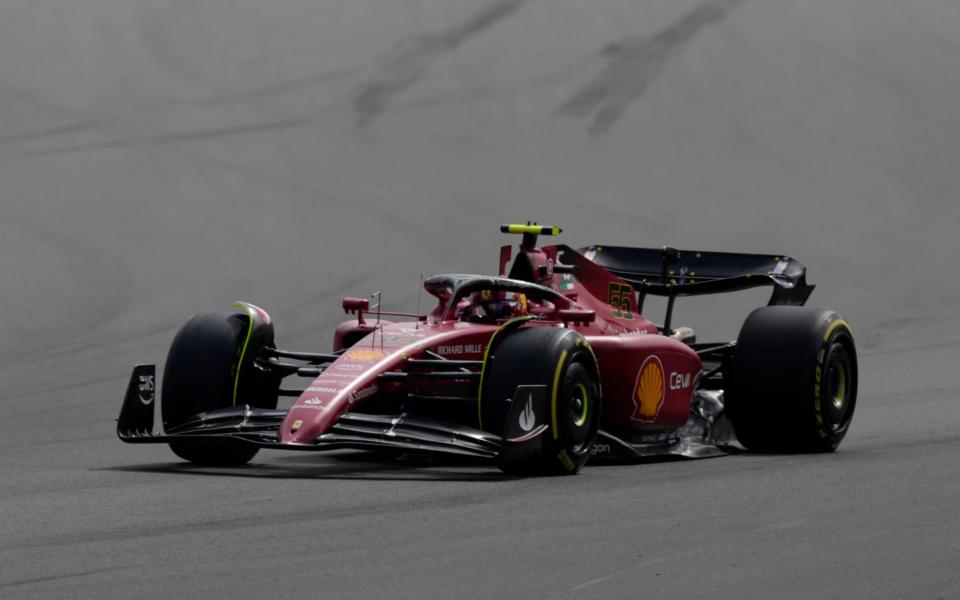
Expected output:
(498, 305)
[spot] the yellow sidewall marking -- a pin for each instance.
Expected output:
(553, 395)
(833, 327)
(818, 374)
(483, 369)
(243, 352)
(564, 459)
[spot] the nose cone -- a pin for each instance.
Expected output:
(304, 424)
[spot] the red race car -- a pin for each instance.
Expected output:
(537, 369)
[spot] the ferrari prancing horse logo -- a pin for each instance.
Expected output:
(650, 391)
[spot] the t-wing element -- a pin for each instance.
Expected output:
(530, 231)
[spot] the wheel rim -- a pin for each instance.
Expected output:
(839, 394)
(577, 415)
(841, 388)
(579, 405)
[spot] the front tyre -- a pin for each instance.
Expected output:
(562, 364)
(793, 386)
(209, 367)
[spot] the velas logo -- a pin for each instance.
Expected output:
(366, 355)
(649, 392)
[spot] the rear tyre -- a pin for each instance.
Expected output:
(562, 361)
(793, 386)
(201, 375)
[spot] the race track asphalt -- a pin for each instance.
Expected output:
(160, 158)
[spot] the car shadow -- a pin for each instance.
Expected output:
(346, 466)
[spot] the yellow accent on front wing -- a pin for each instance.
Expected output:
(483, 369)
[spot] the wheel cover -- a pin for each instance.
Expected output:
(841, 388)
(576, 394)
(579, 404)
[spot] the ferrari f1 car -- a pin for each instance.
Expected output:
(536, 369)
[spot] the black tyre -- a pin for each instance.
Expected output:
(209, 367)
(793, 386)
(561, 360)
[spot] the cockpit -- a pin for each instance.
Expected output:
(479, 299)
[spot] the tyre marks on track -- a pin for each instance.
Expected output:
(634, 62)
(78, 574)
(192, 135)
(308, 84)
(412, 58)
(53, 131)
(76, 131)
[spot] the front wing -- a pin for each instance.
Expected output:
(260, 427)
(401, 433)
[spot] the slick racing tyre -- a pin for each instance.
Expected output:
(562, 365)
(209, 367)
(793, 385)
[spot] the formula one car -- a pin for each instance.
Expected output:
(536, 370)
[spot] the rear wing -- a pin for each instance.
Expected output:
(670, 272)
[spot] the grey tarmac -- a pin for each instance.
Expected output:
(160, 158)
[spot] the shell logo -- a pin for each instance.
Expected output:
(366, 355)
(650, 391)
